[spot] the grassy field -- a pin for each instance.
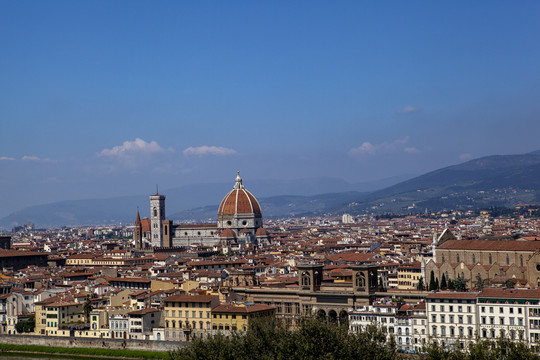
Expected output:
(83, 352)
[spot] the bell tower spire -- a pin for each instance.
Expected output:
(137, 232)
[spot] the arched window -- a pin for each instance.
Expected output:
(457, 258)
(306, 280)
(360, 280)
(155, 212)
(474, 259)
(443, 258)
(521, 259)
(490, 260)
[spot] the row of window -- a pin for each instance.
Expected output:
(501, 310)
(187, 304)
(502, 321)
(442, 308)
(193, 314)
(452, 331)
(193, 325)
(452, 318)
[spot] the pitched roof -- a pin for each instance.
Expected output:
(493, 245)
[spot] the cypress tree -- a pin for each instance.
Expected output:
(432, 285)
(444, 285)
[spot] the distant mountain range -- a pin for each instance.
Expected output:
(198, 197)
(499, 180)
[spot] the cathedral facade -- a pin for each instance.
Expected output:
(239, 222)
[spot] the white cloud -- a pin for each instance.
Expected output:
(208, 150)
(128, 148)
(411, 150)
(6, 158)
(34, 158)
(465, 156)
(366, 148)
(408, 110)
(369, 149)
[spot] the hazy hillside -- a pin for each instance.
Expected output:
(280, 206)
(502, 180)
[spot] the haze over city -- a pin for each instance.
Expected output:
(100, 99)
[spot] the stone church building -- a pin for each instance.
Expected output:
(239, 221)
(495, 260)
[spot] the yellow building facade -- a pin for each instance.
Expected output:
(188, 315)
(237, 317)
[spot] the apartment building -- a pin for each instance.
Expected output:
(452, 317)
(188, 315)
(381, 314)
(237, 317)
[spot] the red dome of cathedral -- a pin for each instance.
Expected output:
(239, 201)
(227, 233)
(261, 232)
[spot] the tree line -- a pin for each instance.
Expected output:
(317, 340)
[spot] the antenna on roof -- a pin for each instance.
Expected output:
(157, 190)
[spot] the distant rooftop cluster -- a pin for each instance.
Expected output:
(450, 276)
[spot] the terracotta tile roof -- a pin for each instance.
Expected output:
(14, 253)
(510, 293)
(453, 295)
(239, 201)
(351, 257)
(143, 311)
(493, 245)
(145, 225)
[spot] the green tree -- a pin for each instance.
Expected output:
(432, 285)
(480, 283)
(509, 283)
(460, 284)
(480, 350)
(444, 285)
(87, 309)
(312, 340)
(420, 286)
(26, 326)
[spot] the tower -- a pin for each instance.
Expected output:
(157, 215)
(137, 232)
(365, 279)
(310, 276)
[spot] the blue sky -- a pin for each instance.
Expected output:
(104, 98)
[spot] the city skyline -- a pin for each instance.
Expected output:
(102, 99)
